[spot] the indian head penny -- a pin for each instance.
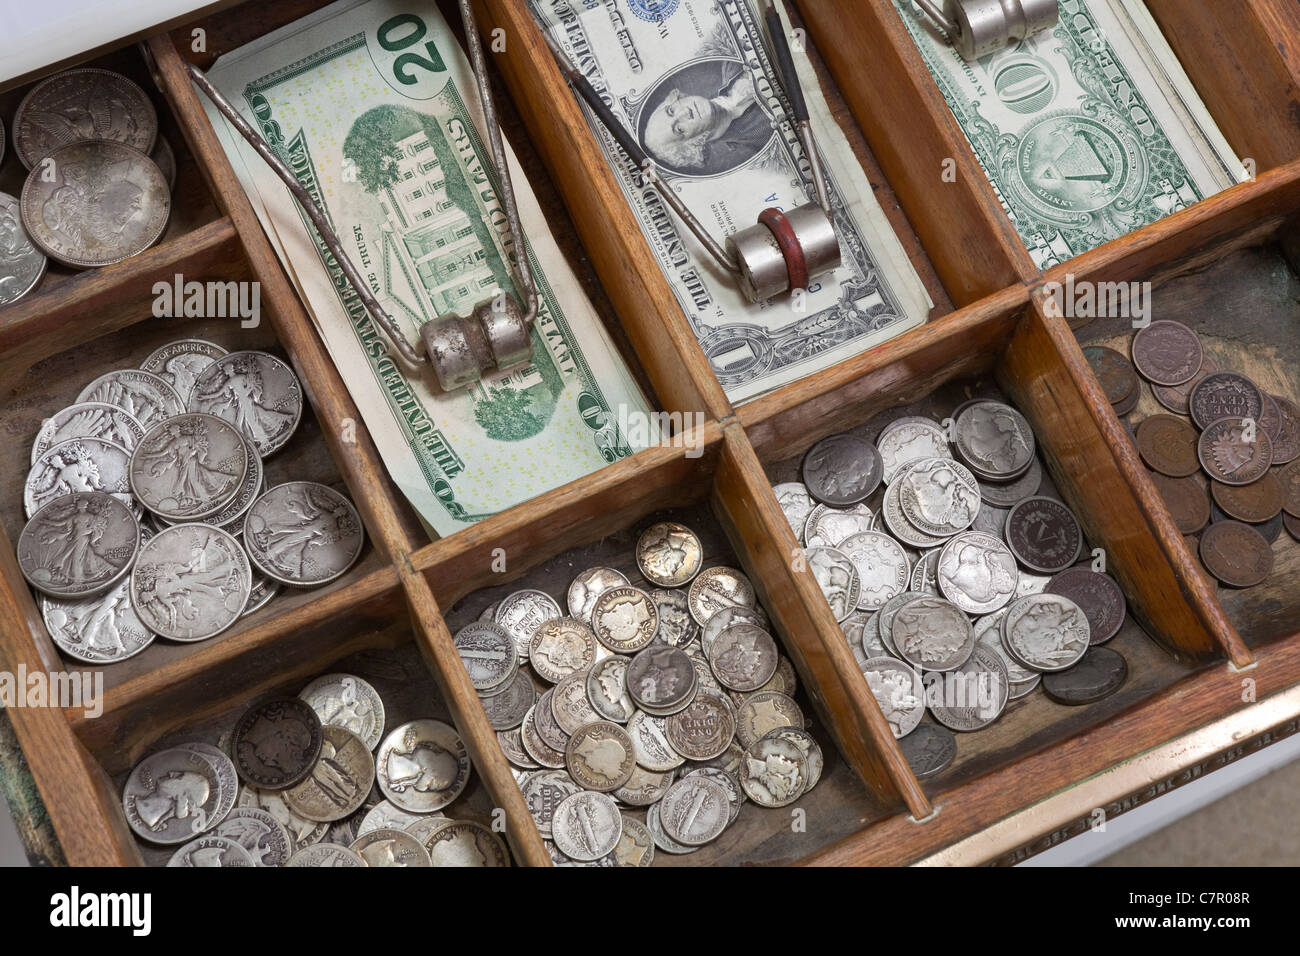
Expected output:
(1166, 352)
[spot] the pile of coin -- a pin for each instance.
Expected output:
(1221, 426)
(958, 589)
(148, 511)
(100, 177)
(313, 780)
(670, 697)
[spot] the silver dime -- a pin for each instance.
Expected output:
(387, 847)
(261, 592)
(812, 751)
(347, 701)
(932, 634)
(303, 534)
(95, 203)
(828, 527)
(730, 783)
(98, 630)
(606, 684)
(899, 692)
(882, 565)
(488, 654)
(385, 814)
(188, 467)
(587, 586)
(172, 796)
(190, 582)
(512, 745)
(302, 833)
(763, 712)
(465, 843)
(547, 727)
(586, 825)
(837, 576)
(669, 554)
(909, 440)
(775, 772)
(972, 696)
(726, 617)
(326, 854)
(716, 588)
(650, 743)
(535, 745)
(729, 761)
(260, 834)
(181, 362)
(21, 264)
(520, 613)
(704, 673)
(994, 440)
(676, 626)
(625, 619)
(661, 839)
(79, 105)
(559, 647)
(661, 680)
(255, 392)
(81, 464)
(600, 756)
(645, 787)
(796, 504)
(703, 729)
(545, 791)
(422, 766)
(339, 781)
(939, 496)
(1045, 632)
(743, 657)
(211, 850)
(695, 810)
(977, 572)
(145, 396)
(842, 470)
(78, 545)
(506, 710)
(88, 420)
(636, 846)
(569, 704)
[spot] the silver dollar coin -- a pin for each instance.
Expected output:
(79, 105)
(145, 396)
(188, 467)
(81, 464)
(21, 263)
(181, 362)
(190, 582)
(303, 534)
(255, 392)
(88, 420)
(78, 545)
(347, 701)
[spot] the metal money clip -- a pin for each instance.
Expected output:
(497, 334)
(785, 250)
(981, 27)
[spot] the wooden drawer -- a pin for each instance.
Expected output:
(1212, 672)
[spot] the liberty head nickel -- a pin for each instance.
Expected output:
(21, 264)
(255, 392)
(303, 534)
(842, 470)
(78, 545)
(190, 582)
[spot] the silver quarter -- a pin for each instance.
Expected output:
(260, 834)
(347, 701)
(775, 772)
(172, 796)
(144, 396)
(842, 470)
(587, 586)
(227, 777)
(82, 464)
(211, 850)
(521, 612)
(695, 810)
(255, 392)
(669, 554)
(303, 534)
(21, 264)
(326, 854)
(882, 565)
(339, 781)
(586, 825)
(79, 105)
(899, 692)
(422, 766)
(559, 647)
(302, 833)
(190, 582)
(78, 545)
(1045, 632)
(606, 684)
(188, 467)
(387, 847)
(977, 572)
(837, 576)
(88, 420)
(488, 655)
(181, 362)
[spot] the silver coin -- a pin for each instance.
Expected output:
(716, 588)
(569, 704)
(705, 681)
(862, 631)
(842, 470)
(925, 573)
(303, 534)
(988, 634)
(547, 727)
(388, 847)
(990, 520)
(188, 467)
(932, 634)
(995, 440)
(506, 710)
(796, 504)
(145, 396)
(211, 850)
(891, 510)
(939, 496)
(488, 655)
(704, 729)
(520, 613)
(181, 362)
(384, 814)
(606, 685)
(729, 761)
(830, 526)
(326, 854)
(812, 752)
(908, 440)
(744, 657)
(587, 586)
(774, 772)
(231, 516)
(882, 565)
(1024, 688)
(899, 692)
(1005, 494)
(661, 680)
(190, 582)
(172, 796)
(676, 626)
(260, 834)
(21, 264)
(95, 203)
(489, 613)
(837, 576)
(543, 793)
(977, 572)
(661, 839)
(650, 743)
(669, 554)
(88, 420)
(695, 810)
(79, 105)
(347, 701)
(885, 619)
(600, 756)
(512, 745)
(260, 594)
(586, 825)
(763, 712)
(636, 846)
(735, 792)
(78, 545)
(165, 159)
(644, 787)
(560, 646)
(422, 766)
(302, 833)
(97, 630)
(726, 617)
(255, 392)
(535, 745)
(465, 843)
(338, 783)
(78, 465)
(625, 619)
(227, 777)
(1045, 632)
(972, 696)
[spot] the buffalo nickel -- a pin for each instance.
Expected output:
(994, 440)
(977, 572)
(796, 504)
(929, 750)
(939, 496)
(1098, 674)
(1045, 632)
(842, 470)
(972, 696)
(899, 692)
(910, 439)
(932, 634)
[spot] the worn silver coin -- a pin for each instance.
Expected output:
(302, 833)
(625, 619)
(339, 781)
(796, 504)
(837, 576)
(994, 440)
(606, 685)
(695, 810)
(676, 626)
(488, 654)
(1004, 494)
(924, 576)
(385, 814)
(661, 839)
(1045, 632)
(932, 634)
(884, 569)
(559, 647)
(534, 744)
(587, 586)
(347, 701)
(972, 696)
(78, 465)
(21, 264)
(506, 710)
(719, 587)
(543, 793)
(188, 467)
(569, 704)
(704, 729)
(265, 840)
(326, 855)
(644, 787)
(190, 582)
(78, 545)
(144, 396)
(422, 766)
(723, 619)
(521, 612)
(254, 391)
(181, 362)
(600, 756)
(650, 743)
(929, 750)
(744, 657)
(939, 496)
(907, 440)
(586, 825)
(547, 727)
(465, 843)
(88, 420)
(763, 712)
(828, 527)
(988, 634)
(669, 554)
(885, 619)
(211, 850)
(891, 510)
(97, 630)
(79, 105)
(231, 516)
(774, 772)
(512, 745)
(898, 690)
(260, 594)
(661, 680)
(303, 534)
(977, 572)
(730, 783)
(842, 470)
(388, 847)
(172, 796)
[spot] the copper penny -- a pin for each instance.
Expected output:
(1224, 395)
(1168, 444)
(1288, 479)
(1270, 419)
(1254, 503)
(1114, 372)
(1292, 525)
(1174, 397)
(1270, 529)
(1167, 352)
(1286, 447)
(1231, 454)
(1130, 403)
(1098, 596)
(1236, 554)
(1186, 500)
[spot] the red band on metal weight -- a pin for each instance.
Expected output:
(788, 243)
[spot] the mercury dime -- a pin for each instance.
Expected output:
(260, 834)
(1004, 494)
(676, 626)
(842, 470)
(466, 843)
(661, 839)
(188, 467)
(21, 263)
(812, 751)
(661, 680)
(1224, 395)
(144, 396)
(276, 743)
(339, 781)
(830, 526)
(422, 766)
(606, 684)
(181, 362)
(635, 846)
(88, 420)
(971, 697)
(730, 783)
(1166, 352)
(78, 546)
(535, 745)
(211, 851)
(716, 588)
(488, 654)
(669, 554)
(1236, 554)
(651, 745)
(600, 756)
(837, 576)
(543, 793)
(303, 534)
(795, 504)
(1043, 535)
(898, 690)
(1045, 632)
(695, 810)
(1233, 452)
(775, 772)
(743, 657)
(933, 634)
(255, 392)
(547, 727)
(882, 565)
(387, 847)
(929, 750)
(587, 586)
(326, 855)
(763, 712)
(586, 825)
(81, 464)
(102, 203)
(977, 572)
(569, 704)
(994, 440)
(82, 104)
(704, 729)
(723, 619)
(190, 582)
(172, 796)
(939, 496)
(522, 612)
(506, 710)
(1099, 674)
(625, 619)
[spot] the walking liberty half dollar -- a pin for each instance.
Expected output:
(78, 545)
(190, 582)
(188, 467)
(256, 393)
(303, 534)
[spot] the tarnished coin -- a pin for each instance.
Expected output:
(939, 496)
(275, 744)
(1288, 479)
(96, 630)
(990, 520)
(347, 701)
(255, 392)
(891, 510)
(190, 582)
(669, 554)
(1168, 445)
(1166, 352)
(909, 440)
(506, 709)
(385, 814)
(338, 782)
(188, 467)
(661, 680)
(422, 766)
(898, 690)
(88, 420)
(488, 654)
(661, 839)
(1045, 632)
(606, 684)
(829, 527)
(543, 793)
(547, 727)
(972, 696)
(837, 576)
(812, 751)
(1098, 674)
(644, 787)
(78, 546)
(81, 464)
(535, 745)
(181, 362)
(326, 854)
(521, 612)
(302, 833)
(303, 534)
(1004, 494)
(512, 745)
(977, 572)
(929, 750)
(882, 566)
(676, 626)
(260, 834)
(569, 704)
(600, 756)
(586, 825)
(165, 159)
(994, 440)
(743, 657)
(1234, 452)
(1186, 499)
(1236, 554)
(885, 619)
(79, 105)
(211, 850)
(842, 470)
(587, 586)
(1175, 397)
(704, 729)
(635, 845)
(625, 619)
(1115, 373)
(795, 504)
(144, 396)
(774, 772)
(1224, 395)
(1286, 446)
(730, 783)
(172, 796)
(719, 622)
(763, 712)
(933, 634)
(862, 630)
(1098, 595)
(388, 847)
(716, 588)
(1043, 534)
(695, 810)
(465, 843)
(94, 203)
(21, 264)
(260, 593)
(1292, 524)
(650, 743)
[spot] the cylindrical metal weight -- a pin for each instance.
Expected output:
(985, 26)
(463, 350)
(505, 331)
(784, 251)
